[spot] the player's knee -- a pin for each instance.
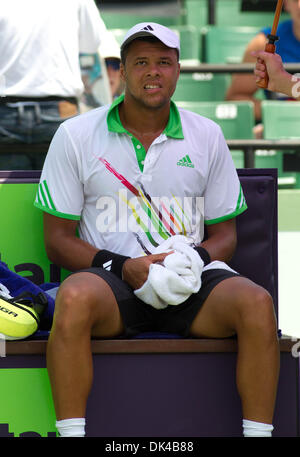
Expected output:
(257, 312)
(73, 309)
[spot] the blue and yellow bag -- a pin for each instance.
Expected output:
(20, 316)
(31, 303)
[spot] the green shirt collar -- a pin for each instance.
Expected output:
(173, 128)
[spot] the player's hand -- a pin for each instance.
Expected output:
(135, 271)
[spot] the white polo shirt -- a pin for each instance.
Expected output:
(129, 201)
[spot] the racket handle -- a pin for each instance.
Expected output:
(263, 83)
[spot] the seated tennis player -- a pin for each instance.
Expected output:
(107, 175)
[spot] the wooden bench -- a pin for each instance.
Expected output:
(155, 385)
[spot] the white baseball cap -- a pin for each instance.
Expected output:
(164, 34)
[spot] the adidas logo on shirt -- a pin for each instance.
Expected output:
(185, 162)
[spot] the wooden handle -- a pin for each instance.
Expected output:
(270, 46)
(263, 83)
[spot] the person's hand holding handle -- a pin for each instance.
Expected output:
(270, 46)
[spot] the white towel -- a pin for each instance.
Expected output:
(172, 282)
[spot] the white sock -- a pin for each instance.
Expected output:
(71, 427)
(256, 429)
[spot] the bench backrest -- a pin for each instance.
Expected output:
(22, 244)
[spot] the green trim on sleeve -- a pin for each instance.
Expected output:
(44, 196)
(48, 194)
(227, 217)
(56, 213)
(241, 206)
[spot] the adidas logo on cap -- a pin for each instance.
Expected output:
(148, 27)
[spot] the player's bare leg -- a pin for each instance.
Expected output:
(85, 307)
(238, 306)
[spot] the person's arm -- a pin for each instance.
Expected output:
(221, 240)
(220, 244)
(65, 249)
(243, 85)
(62, 245)
(223, 201)
(279, 79)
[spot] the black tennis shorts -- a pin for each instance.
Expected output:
(139, 317)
